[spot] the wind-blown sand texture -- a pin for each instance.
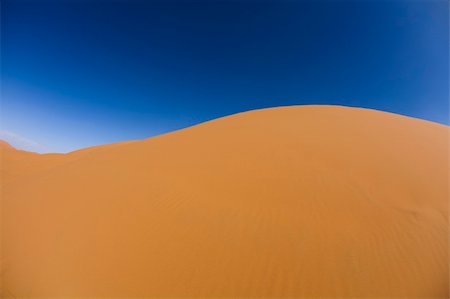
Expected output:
(298, 202)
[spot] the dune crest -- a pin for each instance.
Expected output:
(289, 202)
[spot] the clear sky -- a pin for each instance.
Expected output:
(81, 73)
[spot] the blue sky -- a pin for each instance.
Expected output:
(82, 73)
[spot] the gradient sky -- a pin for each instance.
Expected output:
(81, 73)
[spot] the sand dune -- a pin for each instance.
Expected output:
(298, 202)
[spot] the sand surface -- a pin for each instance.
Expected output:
(298, 202)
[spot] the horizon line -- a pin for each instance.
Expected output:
(9, 143)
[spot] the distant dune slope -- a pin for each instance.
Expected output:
(298, 202)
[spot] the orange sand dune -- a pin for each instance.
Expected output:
(298, 202)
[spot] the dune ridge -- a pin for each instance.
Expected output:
(288, 202)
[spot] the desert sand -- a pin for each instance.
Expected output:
(298, 202)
